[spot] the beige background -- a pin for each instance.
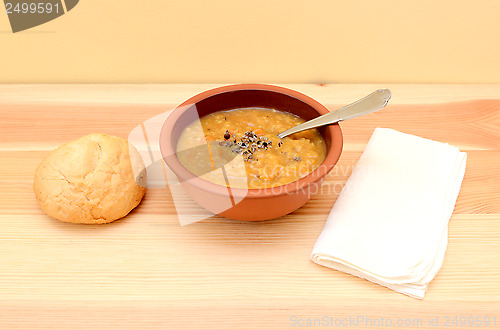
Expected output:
(188, 41)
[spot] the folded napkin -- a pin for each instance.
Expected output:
(390, 223)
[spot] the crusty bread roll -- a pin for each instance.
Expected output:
(91, 180)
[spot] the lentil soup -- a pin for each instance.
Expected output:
(240, 148)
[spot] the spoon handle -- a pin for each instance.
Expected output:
(368, 104)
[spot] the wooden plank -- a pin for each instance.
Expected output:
(468, 125)
(248, 313)
(479, 194)
(152, 94)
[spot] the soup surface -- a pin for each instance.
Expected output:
(240, 148)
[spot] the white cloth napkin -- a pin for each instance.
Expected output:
(390, 223)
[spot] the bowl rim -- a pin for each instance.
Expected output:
(166, 148)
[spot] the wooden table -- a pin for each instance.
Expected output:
(148, 271)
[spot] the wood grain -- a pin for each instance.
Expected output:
(146, 271)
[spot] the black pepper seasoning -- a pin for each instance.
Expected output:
(246, 144)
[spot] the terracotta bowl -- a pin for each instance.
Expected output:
(248, 204)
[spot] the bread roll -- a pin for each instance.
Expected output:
(95, 179)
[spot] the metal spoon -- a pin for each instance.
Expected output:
(368, 104)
